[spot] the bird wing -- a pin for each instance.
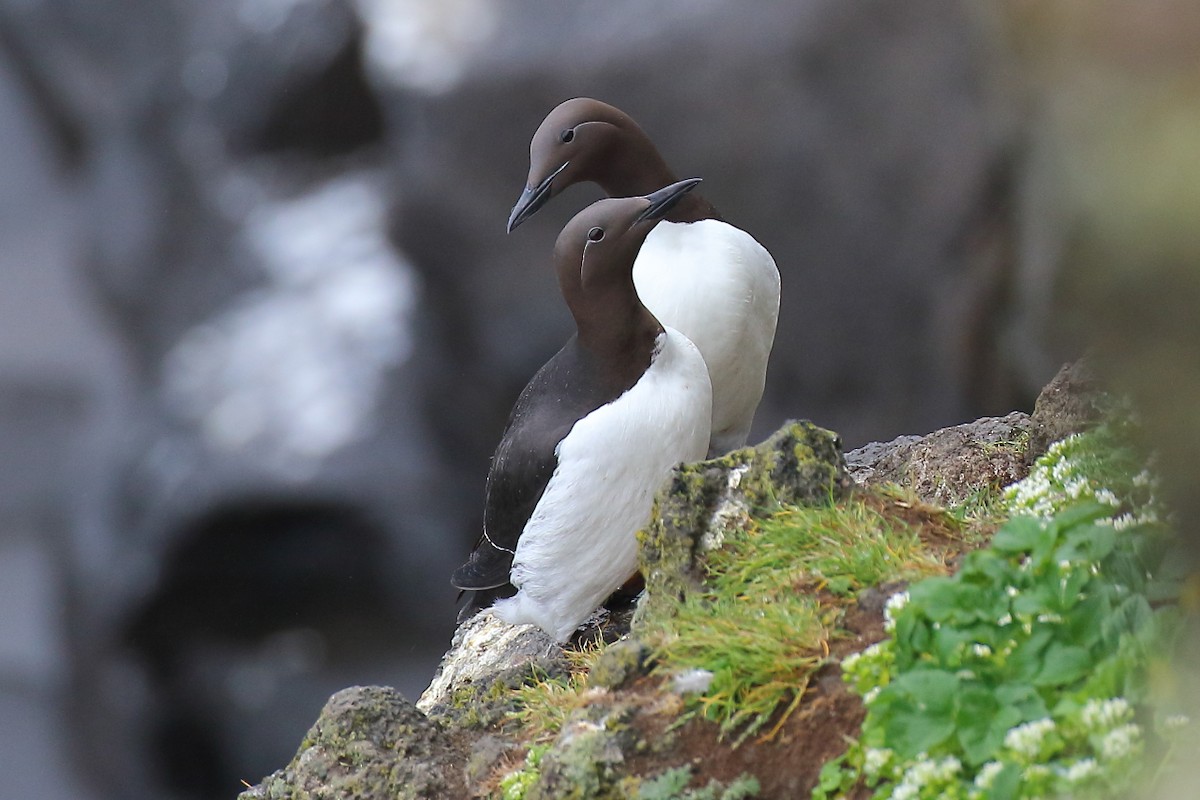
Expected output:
(520, 471)
(521, 468)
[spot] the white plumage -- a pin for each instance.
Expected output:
(579, 544)
(720, 288)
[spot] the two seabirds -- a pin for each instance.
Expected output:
(675, 313)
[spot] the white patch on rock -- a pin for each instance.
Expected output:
(692, 681)
(731, 513)
(482, 647)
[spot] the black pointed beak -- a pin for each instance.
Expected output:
(532, 199)
(665, 198)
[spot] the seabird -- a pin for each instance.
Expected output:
(696, 273)
(592, 436)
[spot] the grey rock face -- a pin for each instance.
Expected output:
(1071, 403)
(949, 465)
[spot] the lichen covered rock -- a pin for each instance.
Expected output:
(369, 742)
(949, 465)
(1071, 403)
(584, 763)
(800, 463)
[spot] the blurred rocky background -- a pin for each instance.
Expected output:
(260, 325)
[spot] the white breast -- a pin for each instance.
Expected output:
(719, 287)
(579, 545)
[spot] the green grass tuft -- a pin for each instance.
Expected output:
(845, 547)
(758, 627)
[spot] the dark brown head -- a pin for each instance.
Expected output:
(587, 140)
(594, 257)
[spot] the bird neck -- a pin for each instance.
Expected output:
(633, 167)
(618, 331)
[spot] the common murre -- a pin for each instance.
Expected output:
(592, 436)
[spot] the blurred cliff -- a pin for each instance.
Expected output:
(260, 323)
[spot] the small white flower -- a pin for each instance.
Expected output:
(871, 694)
(987, 774)
(1101, 715)
(849, 661)
(1143, 478)
(1081, 770)
(1005, 620)
(875, 759)
(1123, 522)
(1027, 739)
(896, 602)
(1106, 497)
(1049, 618)
(1011, 591)
(1121, 742)
(874, 651)
(981, 650)
(1176, 721)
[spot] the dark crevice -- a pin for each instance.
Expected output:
(235, 579)
(330, 113)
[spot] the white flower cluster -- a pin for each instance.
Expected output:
(987, 774)
(1121, 742)
(876, 759)
(1057, 476)
(894, 604)
(1176, 722)
(1061, 475)
(1026, 739)
(1082, 770)
(926, 772)
(1099, 716)
(877, 653)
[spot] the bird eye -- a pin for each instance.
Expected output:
(595, 234)
(567, 135)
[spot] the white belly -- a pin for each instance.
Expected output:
(579, 545)
(719, 287)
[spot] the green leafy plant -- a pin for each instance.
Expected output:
(672, 785)
(1020, 675)
(516, 784)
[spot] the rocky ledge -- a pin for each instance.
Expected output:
(512, 714)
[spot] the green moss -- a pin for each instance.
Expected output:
(584, 762)
(619, 663)
(491, 704)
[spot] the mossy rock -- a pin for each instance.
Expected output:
(800, 464)
(585, 761)
(369, 742)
